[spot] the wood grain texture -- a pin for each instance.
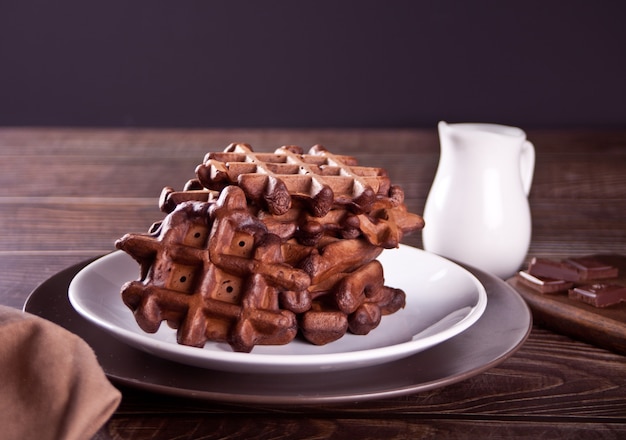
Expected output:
(67, 194)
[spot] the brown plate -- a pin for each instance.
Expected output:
(603, 327)
(501, 330)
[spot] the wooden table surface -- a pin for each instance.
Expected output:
(67, 194)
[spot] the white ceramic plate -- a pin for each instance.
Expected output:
(443, 300)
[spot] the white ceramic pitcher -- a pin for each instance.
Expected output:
(477, 210)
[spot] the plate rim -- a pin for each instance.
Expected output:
(213, 359)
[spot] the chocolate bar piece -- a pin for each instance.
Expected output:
(543, 284)
(592, 269)
(599, 294)
(558, 270)
(580, 269)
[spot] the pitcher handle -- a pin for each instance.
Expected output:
(527, 165)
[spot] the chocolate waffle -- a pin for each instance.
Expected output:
(260, 246)
(213, 272)
(309, 195)
(274, 181)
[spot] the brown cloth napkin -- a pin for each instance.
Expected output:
(51, 385)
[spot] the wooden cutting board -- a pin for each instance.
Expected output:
(603, 327)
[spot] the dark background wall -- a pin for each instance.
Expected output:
(307, 63)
